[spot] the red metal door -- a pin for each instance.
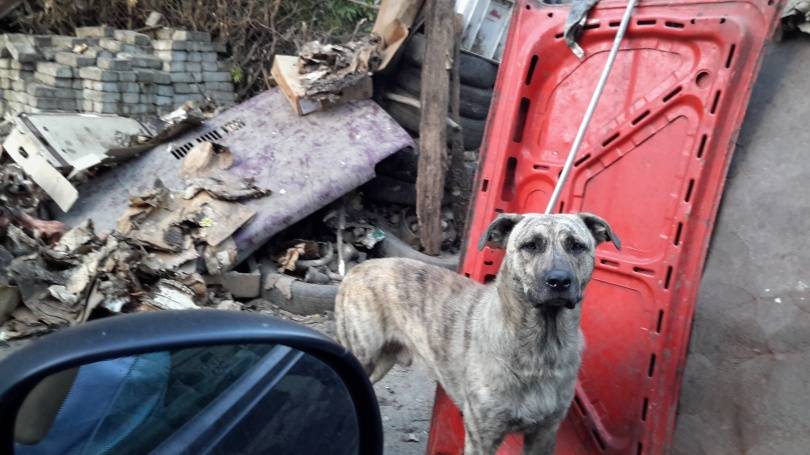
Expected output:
(653, 164)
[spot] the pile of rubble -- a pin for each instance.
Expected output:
(103, 70)
(166, 247)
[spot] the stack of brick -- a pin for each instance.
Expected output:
(109, 71)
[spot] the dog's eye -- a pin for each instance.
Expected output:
(575, 246)
(534, 246)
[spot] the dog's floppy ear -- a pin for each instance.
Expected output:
(498, 231)
(600, 229)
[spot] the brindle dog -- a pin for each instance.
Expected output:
(507, 353)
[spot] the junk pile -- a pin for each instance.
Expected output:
(110, 71)
(165, 245)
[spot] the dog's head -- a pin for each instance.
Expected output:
(549, 258)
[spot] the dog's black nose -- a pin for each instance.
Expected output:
(559, 280)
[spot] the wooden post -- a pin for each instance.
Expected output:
(440, 35)
(459, 182)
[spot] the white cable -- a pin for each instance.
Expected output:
(583, 127)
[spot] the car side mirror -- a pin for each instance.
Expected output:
(187, 382)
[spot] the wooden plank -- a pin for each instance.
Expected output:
(433, 127)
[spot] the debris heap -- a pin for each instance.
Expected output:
(166, 247)
(108, 71)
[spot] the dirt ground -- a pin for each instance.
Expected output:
(405, 396)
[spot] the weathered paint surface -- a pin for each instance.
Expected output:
(307, 162)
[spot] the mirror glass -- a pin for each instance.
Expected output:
(231, 399)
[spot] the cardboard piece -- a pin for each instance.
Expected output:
(285, 72)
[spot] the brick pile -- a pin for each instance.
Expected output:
(108, 71)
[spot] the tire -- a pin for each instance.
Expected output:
(473, 102)
(473, 132)
(474, 71)
(392, 247)
(408, 116)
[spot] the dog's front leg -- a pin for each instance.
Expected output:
(481, 437)
(540, 440)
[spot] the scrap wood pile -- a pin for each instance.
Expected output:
(165, 245)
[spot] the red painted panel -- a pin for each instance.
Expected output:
(653, 164)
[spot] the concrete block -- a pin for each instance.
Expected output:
(43, 103)
(39, 90)
(220, 47)
(19, 85)
(78, 84)
(21, 47)
(219, 86)
(100, 31)
(193, 67)
(169, 45)
(164, 100)
(86, 105)
(153, 19)
(95, 73)
(146, 98)
(130, 87)
(198, 46)
(74, 60)
(143, 61)
(186, 88)
(135, 50)
(101, 86)
(188, 35)
(164, 90)
(25, 75)
(68, 105)
(208, 56)
(127, 76)
(174, 67)
(111, 45)
(182, 77)
(161, 77)
(41, 41)
(173, 56)
(143, 75)
(66, 42)
(57, 82)
(107, 97)
(132, 37)
(5, 63)
(218, 76)
(5, 84)
(105, 108)
(130, 97)
(209, 66)
(68, 93)
(164, 33)
(116, 64)
(103, 53)
(27, 66)
(195, 57)
(55, 69)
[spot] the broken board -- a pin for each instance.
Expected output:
(307, 162)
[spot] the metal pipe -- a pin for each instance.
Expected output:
(583, 127)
